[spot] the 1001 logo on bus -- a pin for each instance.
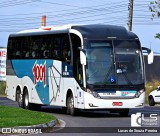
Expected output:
(39, 72)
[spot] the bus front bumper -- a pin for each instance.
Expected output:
(97, 103)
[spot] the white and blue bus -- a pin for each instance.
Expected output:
(89, 67)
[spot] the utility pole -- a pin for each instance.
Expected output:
(130, 8)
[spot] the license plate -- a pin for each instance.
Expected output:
(117, 103)
(110, 93)
(107, 94)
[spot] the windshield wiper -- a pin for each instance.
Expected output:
(124, 73)
(108, 73)
(121, 70)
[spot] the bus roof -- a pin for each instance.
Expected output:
(104, 31)
(97, 31)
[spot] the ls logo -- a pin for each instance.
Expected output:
(39, 73)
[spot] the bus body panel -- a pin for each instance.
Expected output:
(55, 90)
(32, 91)
(55, 83)
(12, 83)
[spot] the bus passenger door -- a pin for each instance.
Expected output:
(79, 84)
(80, 96)
(77, 70)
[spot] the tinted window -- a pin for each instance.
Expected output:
(55, 46)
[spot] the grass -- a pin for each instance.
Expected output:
(13, 116)
(150, 86)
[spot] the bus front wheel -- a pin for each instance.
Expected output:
(70, 106)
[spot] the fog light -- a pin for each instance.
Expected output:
(139, 93)
(95, 94)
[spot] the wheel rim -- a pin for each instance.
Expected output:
(70, 105)
(20, 100)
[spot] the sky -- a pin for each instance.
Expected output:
(21, 15)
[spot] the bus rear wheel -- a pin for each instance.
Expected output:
(70, 106)
(26, 100)
(19, 99)
(30, 106)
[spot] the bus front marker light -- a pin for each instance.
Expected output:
(95, 94)
(139, 92)
(140, 105)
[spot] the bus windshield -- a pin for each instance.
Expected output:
(117, 62)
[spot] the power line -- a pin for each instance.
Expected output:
(93, 11)
(54, 3)
(103, 13)
(88, 7)
(13, 3)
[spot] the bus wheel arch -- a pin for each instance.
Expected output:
(70, 99)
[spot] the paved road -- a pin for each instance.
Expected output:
(90, 121)
(6, 102)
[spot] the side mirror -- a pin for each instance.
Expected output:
(150, 55)
(83, 58)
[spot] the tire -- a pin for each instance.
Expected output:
(19, 98)
(26, 100)
(151, 100)
(70, 106)
(30, 106)
(124, 112)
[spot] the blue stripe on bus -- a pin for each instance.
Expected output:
(37, 71)
(32, 69)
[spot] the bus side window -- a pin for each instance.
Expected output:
(54, 46)
(10, 53)
(27, 54)
(18, 55)
(46, 54)
(34, 54)
(17, 48)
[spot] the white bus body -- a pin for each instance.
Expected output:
(53, 66)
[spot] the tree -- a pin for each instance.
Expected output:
(155, 9)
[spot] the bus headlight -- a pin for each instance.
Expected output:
(95, 94)
(139, 93)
